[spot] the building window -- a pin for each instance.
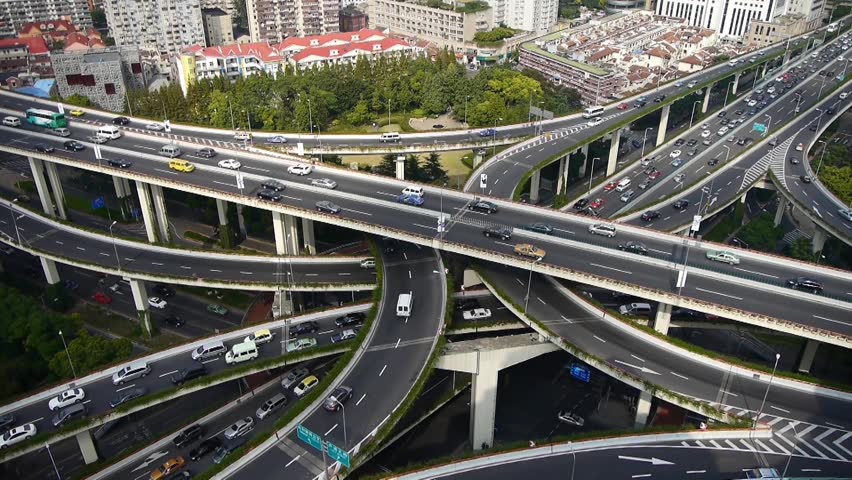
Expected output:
(109, 88)
(77, 79)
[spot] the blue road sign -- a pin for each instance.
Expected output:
(338, 454)
(98, 203)
(309, 437)
(136, 213)
(580, 372)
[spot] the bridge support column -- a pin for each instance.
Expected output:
(535, 186)
(779, 212)
(122, 193)
(286, 234)
(308, 236)
(147, 210)
(87, 447)
(37, 168)
(562, 176)
(56, 186)
(643, 409)
(664, 124)
(400, 167)
(786, 57)
(763, 70)
(161, 213)
(706, 103)
(663, 318)
(808, 354)
(613, 152)
(140, 298)
(51, 274)
(241, 221)
(818, 242)
(226, 237)
(736, 83)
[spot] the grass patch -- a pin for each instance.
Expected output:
(231, 298)
(451, 161)
(722, 230)
(84, 205)
(121, 326)
(198, 237)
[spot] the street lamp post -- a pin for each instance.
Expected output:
(691, 117)
(644, 139)
(389, 105)
(822, 156)
(15, 222)
(766, 394)
(592, 173)
(56, 470)
(248, 122)
(540, 117)
(115, 246)
(494, 136)
(231, 112)
(529, 284)
(343, 409)
(466, 98)
(728, 92)
(69, 354)
(319, 139)
(768, 124)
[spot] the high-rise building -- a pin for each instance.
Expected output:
(15, 13)
(453, 29)
(103, 76)
(218, 27)
(526, 15)
(275, 20)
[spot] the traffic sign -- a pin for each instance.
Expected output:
(309, 437)
(580, 372)
(483, 180)
(241, 184)
(759, 127)
(696, 223)
(338, 454)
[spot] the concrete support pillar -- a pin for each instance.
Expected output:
(400, 167)
(51, 274)
(87, 447)
(643, 409)
(818, 242)
(308, 236)
(140, 298)
(226, 237)
(535, 186)
(286, 234)
(161, 213)
(222, 210)
(483, 406)
(278, 230)
(664, 316)
(706, 103)
(562, 176)
(763, 70)
(786, 57)
(471, 278)
(119, 184)
(56, 186)
(123, 194)
(147, 210)
(664, 124)
(736, 83)
(782, 207)
(807, 360)
(241, 221)
(37, 168)
(613, 152)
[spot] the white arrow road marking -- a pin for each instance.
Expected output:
(652, 460)
(151, 458)
(840, 440)
(819, 441)
(642, 368)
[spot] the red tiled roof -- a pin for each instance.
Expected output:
(350, 50)
(36, 45)
(363, 35)
(40, 28)
(261, 50)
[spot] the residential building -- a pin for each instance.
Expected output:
(615, 6)
(527, 15)
(453, 29)
(80, 42)
(274, 20)
(761, 34)
(352, 19)
(16, 13)
(331, 52)
(25, 55)
(218, 27)
(226, 6)
(103, 76)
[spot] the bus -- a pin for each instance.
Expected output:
(46, 118)
(591, 112)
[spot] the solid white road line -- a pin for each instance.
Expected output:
(125, 388)
(830, 320)
(756, 273)
(293, 461)
(611, 268)
(330, 430)
(599, 338)
(679, 375)
(383, 370)
(360, 399)
(168, 373)
(717, 293)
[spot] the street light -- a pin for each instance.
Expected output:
(592, 172)
(15, 221)
(540, 117)
(231, 112)
(766, 394)
(768, 124)
(343, 409)
(693, 111)
(529, 284)
(67, 353)
(728, 93)
(494, 136)
(319, 139)
(466, 98)
(822, 155)
(114, 246)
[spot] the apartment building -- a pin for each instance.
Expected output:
(274, 20)
(103, 76)
(453, 29)
(527, 15)
(16, 13)
(25, 55)
(218, 27)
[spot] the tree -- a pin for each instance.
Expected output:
(802, 249)
(433, 171)
(78, 100)
(99, 17)
(89, 352)
(388, 165)
(761, 234)
(413, 171)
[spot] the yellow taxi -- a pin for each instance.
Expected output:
(527, 250)
(181, 166)
(77, 112)
(171, 466)
(260, 337)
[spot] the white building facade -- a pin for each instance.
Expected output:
(730, 18)
(14, 13)
(527, 15)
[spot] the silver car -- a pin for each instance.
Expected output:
(239, 428)
(602, 229)
(294, 377)
(324, 183)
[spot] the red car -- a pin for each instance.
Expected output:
(610, 186)
(597, 203)
(623, 106)
(654, 175)
(102, 299)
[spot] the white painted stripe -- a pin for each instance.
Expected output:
(679, 375)
(599, 338)
(732, 445)
(360, 399)
(763, 446)
(125, 388)
(330, 430)
(715, 444)
(611, 268)
(696, 471)
(778, 445)
(168, 373)
(747, 445)
(779, 409)
(292, 461)
(717, 293)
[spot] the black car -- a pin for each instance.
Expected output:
(44, 148)
(638, 248)
(539, 227)
(206, 152)
(125, 396)
(805, 283)
(189, 435)
(581, 204)
(327, 207)
(270, 195)
(73, 145)
(467, 304)
(650, 215)
(204, 448)
(503, 233)
(119, 163)
(794, 160)
(713, 162)
(174, 320)
(350, 319)
(636, 143)
(120, 121)
(482, 206)
(738, 112)
(272, 184)
(304, 328)
(188, 374)
(639, 104)
(722, 114)
(692, 142)
(723, 121)
(681, 204)
(659, 98)
(679, 142)
(163, 291)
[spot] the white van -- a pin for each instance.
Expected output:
(622, 185)
(635, 309)
(241, 352)
(208, 350)
(404, 304)
(412, 190)
(170, 151)
(12, 121)
(109, 131)
(390, 137)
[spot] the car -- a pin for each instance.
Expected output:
(306, 385)
(350, 319)
(300, 169)
(527, 250)
(706, 133)
(482, 206)
(337, 398)
(800, 147)
(77, 112)
(583, 203)
(157, 127)
(602, 229)
(121, 121)
(640, 104)
(843, 95)
(645, 184)
(723, 256)
(675, 153)
(679, 177)
(44, 148)
(805, 178)
(242, 136)
(324, 183)
(691, 152)
(692, 142)
(499, 231)
(293, 377)
(414, 200)
(68, 397)
(69, 413)
(369, 262)
(723, 121)
(163, 291)
(571, 419)
(206, 446)
(7, 420)
(73, 145)
(230, 164)
(206, 152)
(347, 334)
(846, 213)
(654, 175)
(260, 337)
(760, 472)
(540, 227)
(659, 98)
(217, 309)
(69, 285)
(174, 321)
(805, 283)
(301, 344)
(589, 212)
(722, 131)
(679, 142)
(477, 314)
(638, 248)
(167, 469)
(188, 374)
(157, 302)
(303, 328)
(488, 132)
(713, 162)
(277, 402)
(97, 139)
(327, 207)
(125, 396)
(239, 428)
(272, 184)
(115, 287)
(17, 435)
(102, 298)
(276, 139)
(627, 196)
(681, 204)
(270, 195)
(623, 106)
(119, 163)
(595, 122)
(677, 162)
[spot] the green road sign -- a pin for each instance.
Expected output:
(338, 454)
(759, 128)
(309, 437)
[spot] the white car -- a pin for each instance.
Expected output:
(17, 435)
(706, 133)
(68, 397)
(300, 169)
(157, 127)
(230, 163)
(157, 302)
(602, 229)
(477, 314)
(722, 131)
(846, 213)
(595, 121)
(242, 136)
(705, 126)
(324, 183)
(843, 95)
(306, 385)
(97, 139)
(260, 337)
(239, 428)
(752, 103)
(675, 154)
(800, 147)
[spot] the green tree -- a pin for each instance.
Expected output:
(78, 100)
(99, 17)
(388, 165)
(332, 159)
(761, 233)
(89, 352)
(801, 249)
(413, 171)
(433, 171)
